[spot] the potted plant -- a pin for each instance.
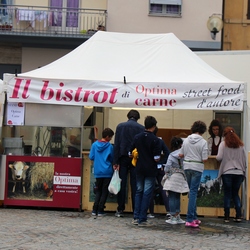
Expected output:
(5, 26)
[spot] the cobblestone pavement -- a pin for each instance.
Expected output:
(25, 229)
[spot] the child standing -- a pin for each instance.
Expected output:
(102, 154)
(175, 181)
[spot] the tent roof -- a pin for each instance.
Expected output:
(128, 70)
(109, 56)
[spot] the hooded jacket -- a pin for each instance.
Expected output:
(102, 154)
(173, 160)
(174, 180)
(195, 151)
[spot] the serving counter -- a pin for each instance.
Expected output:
(209, 201)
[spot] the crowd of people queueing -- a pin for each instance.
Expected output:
(178, 172)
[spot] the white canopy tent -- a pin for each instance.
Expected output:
(128, 70)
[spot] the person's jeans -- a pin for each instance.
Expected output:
(193, 180)
(231, 185)
(145, 187)
(101, 194)
(125, 167)
(174, 202)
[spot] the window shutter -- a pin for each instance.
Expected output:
(170, 2)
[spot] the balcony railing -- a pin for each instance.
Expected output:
(48, 21)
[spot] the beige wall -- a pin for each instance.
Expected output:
(10, 54)
(32, 3)
(132, 16)
(33, 58)
(94, 4)
(90, 4)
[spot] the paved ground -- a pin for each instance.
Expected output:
(25, 229)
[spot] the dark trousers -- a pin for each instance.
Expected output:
(125, 168)
(101, 194)
(231, 185)
(162, 192)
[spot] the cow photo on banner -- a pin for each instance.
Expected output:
(30, 180)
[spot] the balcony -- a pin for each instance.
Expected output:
(45, 25)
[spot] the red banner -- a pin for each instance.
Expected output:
(43, 181)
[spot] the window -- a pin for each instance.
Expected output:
(65, 13)
(165, 7)
(232, 119)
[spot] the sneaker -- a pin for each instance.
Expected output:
(151, 216)
(197, 222)
(172, 220)
(135, 222)
(237, 219)
(119, 214)
(100, 214)
(143, 224)
(180, 220)
(226, 219)
(93, 213)
(191, 224)
(168, 216)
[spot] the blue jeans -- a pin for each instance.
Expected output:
(231, 185)
(174, 202)
(125, 168)
(193, 180)
(144, 189)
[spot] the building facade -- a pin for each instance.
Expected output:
(186, 19)
(33, 34)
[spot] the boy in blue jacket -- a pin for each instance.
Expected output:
(102, 154)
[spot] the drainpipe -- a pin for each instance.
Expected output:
(222, 31)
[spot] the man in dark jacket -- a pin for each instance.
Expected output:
(149, 153)
(124, 135)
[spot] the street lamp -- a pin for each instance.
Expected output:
(214, 24)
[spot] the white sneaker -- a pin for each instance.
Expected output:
(180, 220)
(151, 216)
(172, 220)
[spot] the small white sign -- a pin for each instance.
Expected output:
(15, 113)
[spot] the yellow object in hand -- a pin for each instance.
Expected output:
(135, 156)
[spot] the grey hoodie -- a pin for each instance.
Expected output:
(172, 161)
(195, 151)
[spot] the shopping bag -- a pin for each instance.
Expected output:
(115, 183)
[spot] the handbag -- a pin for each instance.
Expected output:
(115, 183)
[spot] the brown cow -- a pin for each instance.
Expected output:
(18, 169)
